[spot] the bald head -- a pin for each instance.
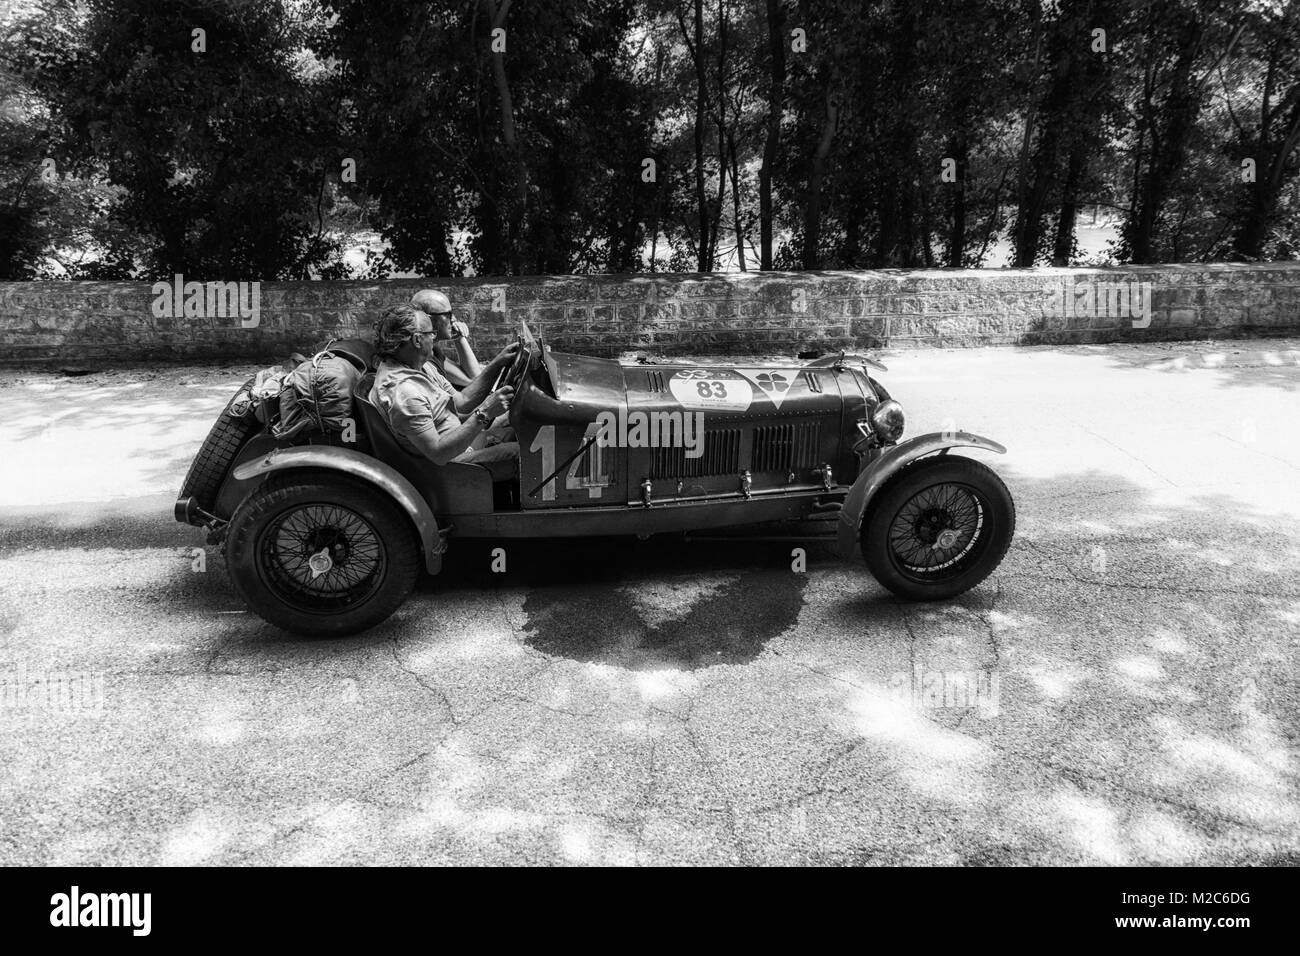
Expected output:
(431, 301)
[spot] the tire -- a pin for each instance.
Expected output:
(208, 469)
(373, 553)
(945, 498)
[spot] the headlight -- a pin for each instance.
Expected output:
(887, 420)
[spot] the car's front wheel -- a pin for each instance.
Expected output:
(321, 554)
(938, 528)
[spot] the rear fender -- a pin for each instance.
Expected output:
(354, 463)
(891, 462)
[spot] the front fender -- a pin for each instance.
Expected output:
(890, 462)
(351, 462)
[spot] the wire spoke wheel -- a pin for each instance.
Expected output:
(321, 553)
(321, 558)
(939, 531)
(938, 528)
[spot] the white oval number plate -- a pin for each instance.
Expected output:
(711, 389)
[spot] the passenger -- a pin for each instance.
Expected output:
(451, 333)
(422, 408)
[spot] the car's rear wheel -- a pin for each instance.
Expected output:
(938, 528)
(321, 554)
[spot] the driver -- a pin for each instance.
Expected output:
(422, 408)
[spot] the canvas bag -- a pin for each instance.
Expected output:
(317, 394)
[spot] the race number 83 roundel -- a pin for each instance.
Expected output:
(711, 389)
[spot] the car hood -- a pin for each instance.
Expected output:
(585, 384)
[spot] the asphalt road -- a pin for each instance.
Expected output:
(1123, 690)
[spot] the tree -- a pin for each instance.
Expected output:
(1270, 142)
(776, 38)
(1175, 56)
(202, 113)
(256, 138)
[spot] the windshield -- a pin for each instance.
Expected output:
(527, 335)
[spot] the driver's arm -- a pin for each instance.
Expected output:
(472, 395)
(441, 448)
(421, 414)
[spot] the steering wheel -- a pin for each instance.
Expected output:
(522, 363)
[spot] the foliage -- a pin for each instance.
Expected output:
(491, 137)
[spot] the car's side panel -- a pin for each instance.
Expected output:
(721, 512)
(551, 433)
(764, 428)
(888, 464)
(562, 466)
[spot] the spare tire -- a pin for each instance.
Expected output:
(225, 438)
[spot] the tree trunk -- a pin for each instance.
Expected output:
(490, 247)
(660, 189)
(1181, 107)
(927, 252)
(957, 234)
(1031, 119)
(852, 238)
(718, 201)
(735, 202)
(1270, 173)
(1064, 243)
(1042, 173)
(514, 235)
(775, 106)
(813, 207)
(704, 262)
(715, 214)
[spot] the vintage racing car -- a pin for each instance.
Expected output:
(325, 533)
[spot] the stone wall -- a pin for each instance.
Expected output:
(116, 322)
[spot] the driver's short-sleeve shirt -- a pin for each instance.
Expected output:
(413, 401)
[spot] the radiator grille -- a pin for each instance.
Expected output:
(721, 457)
(786, 448)
(654, 381)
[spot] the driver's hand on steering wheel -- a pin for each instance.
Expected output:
(506, 355)
(498, 403)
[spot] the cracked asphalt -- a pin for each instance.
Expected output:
(1122, 691)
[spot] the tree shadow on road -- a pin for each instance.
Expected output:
(670, 702)
(1141, 654)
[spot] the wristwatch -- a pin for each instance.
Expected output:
(483, 417)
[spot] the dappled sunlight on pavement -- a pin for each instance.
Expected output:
(1122, 690)
(93, 442)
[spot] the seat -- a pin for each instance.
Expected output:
(454, 488)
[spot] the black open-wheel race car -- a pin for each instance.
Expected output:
(326, 533)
